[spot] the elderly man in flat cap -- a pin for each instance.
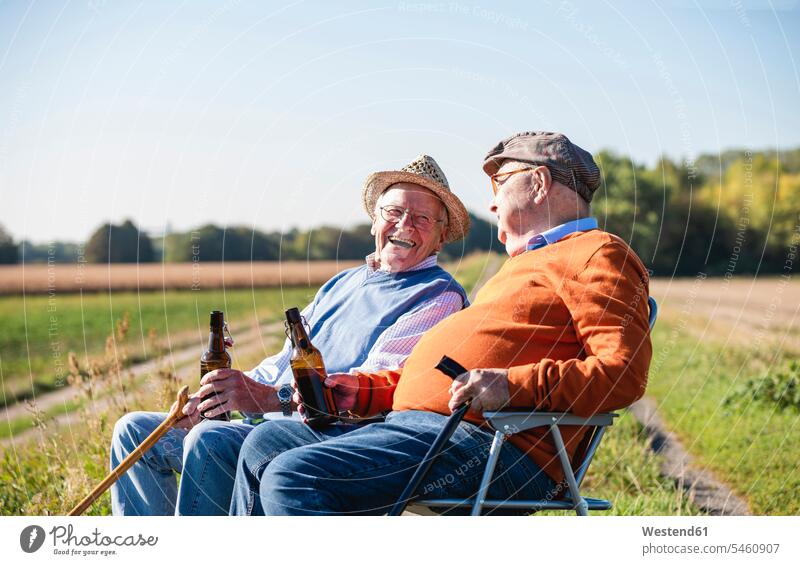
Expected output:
(364, 319)
(560, 327)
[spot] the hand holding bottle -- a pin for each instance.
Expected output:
(344, 387)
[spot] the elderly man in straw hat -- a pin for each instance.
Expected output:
(562, 326)
(364, 319)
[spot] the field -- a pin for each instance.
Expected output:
(38, 331)
(710, 339)
(715, 340)
(75, 277)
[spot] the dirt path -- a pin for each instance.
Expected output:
(186, 351)
(701, 487)
(183, 363)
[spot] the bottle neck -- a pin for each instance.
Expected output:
(216, 340)
(299, 336)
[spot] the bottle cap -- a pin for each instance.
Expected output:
(217, 319)
(293, 316)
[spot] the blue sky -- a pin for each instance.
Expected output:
(271, 114)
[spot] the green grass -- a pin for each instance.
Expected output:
(13, 427)
(37, 332)
(473, 267)
(751, 446)
(626, 472)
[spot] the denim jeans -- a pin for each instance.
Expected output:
(205, 456)
(286, 468)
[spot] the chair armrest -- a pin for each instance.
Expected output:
(514, 422)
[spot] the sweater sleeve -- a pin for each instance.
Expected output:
(376, 392)
(608, 304)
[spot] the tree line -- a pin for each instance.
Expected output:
(736, 212)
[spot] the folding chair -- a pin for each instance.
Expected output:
(506, 424)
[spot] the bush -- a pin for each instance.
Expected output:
(781, 388)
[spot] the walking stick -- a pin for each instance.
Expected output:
(135, 455)
(452, 369)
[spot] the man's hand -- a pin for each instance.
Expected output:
(234, 391)
(488, 389)
(344, 387)
(191, 416)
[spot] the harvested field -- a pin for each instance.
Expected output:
(713, 339)
(742, 312)
(74, 277)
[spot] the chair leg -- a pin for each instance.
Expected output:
(581, 508)
(491, 463)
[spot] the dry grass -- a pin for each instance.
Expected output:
(72, 277)
(762, 313)
(716, 344)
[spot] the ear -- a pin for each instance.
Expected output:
(442, 238)
(372, 229)
(542, 181)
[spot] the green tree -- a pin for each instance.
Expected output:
(630, 202)
(9, 251)
(482, 236)
(122, 243)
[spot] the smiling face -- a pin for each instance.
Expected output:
(399, 246)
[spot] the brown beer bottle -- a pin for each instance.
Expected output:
(309, 374)
(215, 357)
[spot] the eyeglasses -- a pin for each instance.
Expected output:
(394, 214)
(502, 177)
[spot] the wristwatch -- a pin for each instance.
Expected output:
(285, 398)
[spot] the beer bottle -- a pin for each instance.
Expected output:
(309, 374)
(215, 357)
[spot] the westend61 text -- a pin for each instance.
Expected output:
(66, 537)
(676, 532)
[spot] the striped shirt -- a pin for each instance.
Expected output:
(392, 347)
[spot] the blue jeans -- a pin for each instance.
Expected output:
(205, 456)
(286, 468)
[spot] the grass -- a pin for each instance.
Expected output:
(626, 472)
(473, 267)
(37, 332)
(51, 474)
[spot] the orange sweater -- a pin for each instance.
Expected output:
(569, 321)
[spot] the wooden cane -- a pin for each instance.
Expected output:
(135, 455)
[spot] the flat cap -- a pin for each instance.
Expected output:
(568, 164)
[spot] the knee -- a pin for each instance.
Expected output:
(262, 445)
(129, 428)
(287, 471)
(289, 485)
(204, 437)
(285, 465)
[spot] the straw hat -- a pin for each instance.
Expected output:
(425, 172)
